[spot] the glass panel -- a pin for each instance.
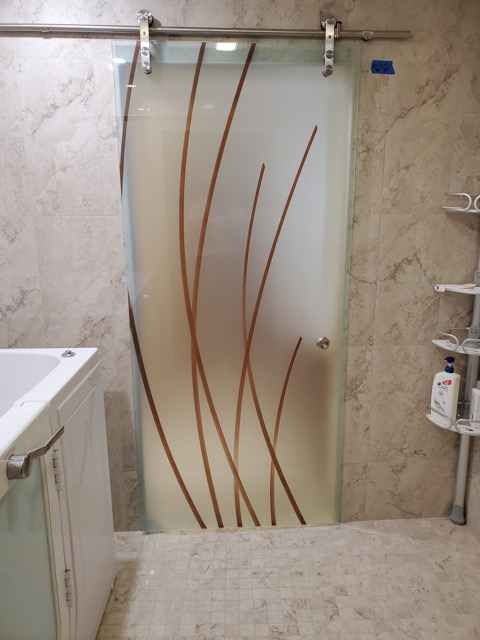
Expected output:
(263, 384)
(27, 610)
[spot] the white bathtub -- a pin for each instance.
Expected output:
(57, 561)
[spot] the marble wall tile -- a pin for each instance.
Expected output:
(363, 279)
(474, 470)
(473, 509)
(465, 173)
(371, 131)
(361, 312)
(18, 48)
(439, 487)
(118, 285)
(421, 107)
(358, 399)
(74, 276)
(375, 14)
(436, 30)
(203, 13)
(354, 492)
(80, 12)
(408, 266)
(4, 344)
(441, 444)
(21, 311)
(395, 490)
(401, 381)
(124, 11)
(455, 311)
(282, 14)
(107, 137)
(60, 137)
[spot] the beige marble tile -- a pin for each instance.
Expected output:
(4, 344)
(371, 131)
(278, 14)
(473, 509)
(107, 133)
(395, 490)
(364, 248)
(73, 268)
(470, 52)
(203, 13)
(408, 267)
(363, 277)
(115, 426)
(21, 313)
(465, 172)
(460, 242)
(358, 398)
(81, 12)
(361, 312)
(454, 311)
(439, 487)
(78, 48)
(474, 471)
(441, 444)
(436, 30)
(118, 287)
(53, 11)
(354, 490)
(402, 579)
(61, 130)
(374, 14)
(124, 11)
(421, 106)
(125, 500)
(401, 384)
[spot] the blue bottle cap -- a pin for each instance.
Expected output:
(449, 360)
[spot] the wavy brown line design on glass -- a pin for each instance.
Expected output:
(192, 306)
(133, 328)
(126, 110)
(277, 427)
(271, 448)
(251, 331)
(196, 397)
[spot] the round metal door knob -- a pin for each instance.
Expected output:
(323, 343)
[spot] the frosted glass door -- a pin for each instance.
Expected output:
(236, 171)
(27, 610)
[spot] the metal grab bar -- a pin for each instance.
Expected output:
(20, 466)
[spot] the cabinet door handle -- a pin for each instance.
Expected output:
(20, 466)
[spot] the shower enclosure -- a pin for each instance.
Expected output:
(236, 169)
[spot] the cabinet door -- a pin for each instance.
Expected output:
(27, 605)
(88, 503)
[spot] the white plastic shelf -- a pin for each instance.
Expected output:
(455, 288)
(449, 346)
(462, 426)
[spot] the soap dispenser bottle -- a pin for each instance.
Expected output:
(445, 395)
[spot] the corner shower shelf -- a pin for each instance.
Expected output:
(470, 347)
(455, 288)
(450, 342)
(472, 205)
(462, 426)
(467, 351)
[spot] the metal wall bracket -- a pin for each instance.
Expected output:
(329, 25)
(145, 19)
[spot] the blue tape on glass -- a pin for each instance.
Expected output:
(383, 66)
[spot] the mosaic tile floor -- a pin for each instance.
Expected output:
(393, 579)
